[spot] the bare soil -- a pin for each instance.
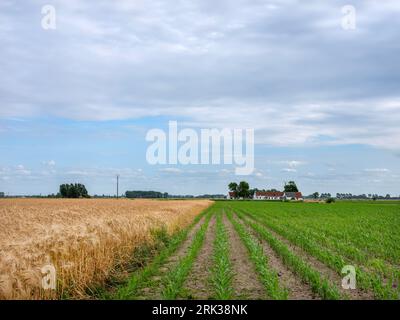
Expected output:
(155, 291)
(246, 283)
(197, 284)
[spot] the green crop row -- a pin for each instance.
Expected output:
(268, 277)
(175, 278)
(309, 275)
(141, 278)
(365, 280)
(222, 271)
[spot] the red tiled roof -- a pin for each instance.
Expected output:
(232, 194)
(269, 193)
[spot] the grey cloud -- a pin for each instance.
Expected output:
(277, 66)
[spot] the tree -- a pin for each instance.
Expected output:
(315, 195)
(76, 190)
(145, 194)
(233, 186)
(252, 192)
(243, 189)
(291, 187)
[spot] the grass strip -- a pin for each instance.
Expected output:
(141, 278)
(268, 277)
(318, 284)
(222, 270)
(175, 278)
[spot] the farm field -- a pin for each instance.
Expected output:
(277, 250)
(197, 249)
(85, 240)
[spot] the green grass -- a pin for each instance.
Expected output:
(268, 277)
(221, 272)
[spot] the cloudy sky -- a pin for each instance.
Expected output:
(77, 101)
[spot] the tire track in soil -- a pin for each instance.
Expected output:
(323, 269)
(298, 289)
(154, 292)
(197, 285)
(245, 281)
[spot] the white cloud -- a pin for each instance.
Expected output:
(20, 170)
(293, 163)
(377, 170)
(50, 163)
(171, 170)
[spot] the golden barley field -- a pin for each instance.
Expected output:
(84, 239)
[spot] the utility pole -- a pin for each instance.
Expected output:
(117, 185)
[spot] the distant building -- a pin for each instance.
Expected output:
(231, 195)
(293, 196)
(268, 195)
(2, 194)
(277, 195)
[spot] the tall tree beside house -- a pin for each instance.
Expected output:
(233, 186)
(291, 187)
(243, 189)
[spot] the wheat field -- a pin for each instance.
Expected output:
(84, 239)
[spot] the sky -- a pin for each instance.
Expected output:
(77, 101)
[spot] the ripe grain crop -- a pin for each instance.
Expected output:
(85, 239)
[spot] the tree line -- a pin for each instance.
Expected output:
(73, 190)
(243, 190)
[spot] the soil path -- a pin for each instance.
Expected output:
(155, 291)
(246, 283)
(197, 285)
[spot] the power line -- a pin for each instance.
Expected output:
(117, 185)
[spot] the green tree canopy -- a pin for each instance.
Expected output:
(291, 187)
(315, 195)
(233, 186)
(76, 190)
(243, 189)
